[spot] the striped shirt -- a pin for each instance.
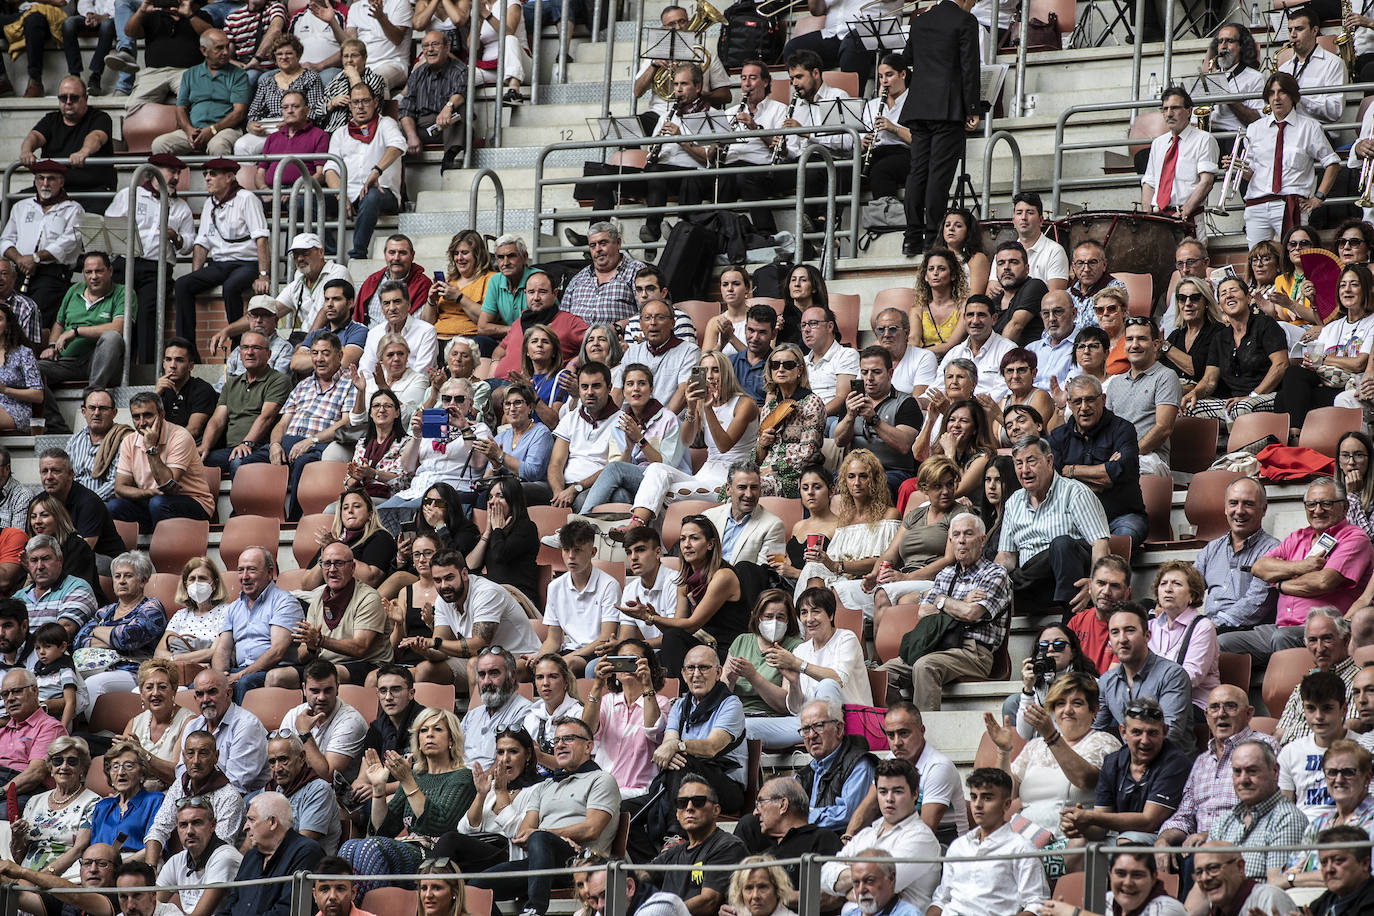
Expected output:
(1069, 508)
(603, 303)
(312, 408)
(245, 28)
(429, 89)
(1210, 792)
(956, 581)
(1293, 724)
(83, 450)
(1276, 821)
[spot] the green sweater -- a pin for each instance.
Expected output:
(447, 797)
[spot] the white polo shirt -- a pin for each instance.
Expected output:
(579, 613)
(229, 231)
(589, 444)
(822, 371)
(1047, 260)
(418, 333)
(661, 595)
(918, 366)
(988, 361)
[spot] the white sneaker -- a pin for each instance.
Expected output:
(550, 540)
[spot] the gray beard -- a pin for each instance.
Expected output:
(495, 697)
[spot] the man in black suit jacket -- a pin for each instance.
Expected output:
(943, 52)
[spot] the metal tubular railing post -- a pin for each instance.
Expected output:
(498, 107)
(809, 887)
(131, 226)
(1094, 878)
(534, 51)
(1168, 42)
(827, 256)
(341, 248)
(474, 33)
(500, 208)
(1019, 108)
(1006, 136)
(616, 904)
(638, 49)
(1138, 48)
(596, 20)
(609, 64)
(564, 35)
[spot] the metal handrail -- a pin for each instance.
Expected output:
(815, 149)
(607, 67)
(540, 182)
(1010, 140)
(1060, 182)
(500, 200)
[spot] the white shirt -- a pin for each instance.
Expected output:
(672, 153)
(305, 300)
(342, 733)
(918, 367)
(489, 602)
(418, 333)
(1321, 69)
(1236, 80)
(842, 654)
(768, 116)
(840, 15)
(1046, 260)
(892, 111)
(229, 232)
(983, 10)
(538, 718)
(813, 113)
(179, 219)
(1300, 772)
(589, 448)
(714, 77)
(1197, 154)
(380, 49)
(579, 613)
(993, 886)
(661, 595)
(222, 865)
(671, 367)
(822, 372)
(1343, 337)
(361, 157)
(988, 361)
(31, 230)
(480, 725)
(317, 37)
(1304, 147)
(908, 838)
(940, 785)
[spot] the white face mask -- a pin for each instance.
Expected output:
(199, 591)
(772, 630)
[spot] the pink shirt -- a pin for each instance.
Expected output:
(1201, 659)
(1352, 558)
(623, 746)
(21, 743)
(177, 449)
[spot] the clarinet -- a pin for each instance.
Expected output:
(734, 125)
(652, 158)
(778, 151)
(873, 144)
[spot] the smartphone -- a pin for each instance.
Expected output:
(408, 527)
(623, 664)
(434, 423)
(697, 378)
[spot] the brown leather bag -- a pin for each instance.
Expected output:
(1040, 35)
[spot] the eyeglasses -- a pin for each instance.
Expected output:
(1261, 258)
(432, 501)
(70, 760)
(1188, 298)
(251, 347)
(695, 801)
(1088, 345)
(97, 408)
(13, 692)
(97, 863)
(126, 766)
(1211, 870)
(813, 323)
(1091, 262)
(281, 733)
(1321, 503)
(359, 103)
(194, 801)
(1016, 370)
(1353, 456)
(334, 564)
(453, 399)
(1230, 706)
(1150, 713)
(1341, 773)
(1058, 645)
(887, 330)
(768, 798)
(567, 739)
(1083, 401)
(1189, 264)
(423, 554)
(69, 98)
(697, 669)
(815, 728)
(1104, 309)
(392, 691)
(1349, 240)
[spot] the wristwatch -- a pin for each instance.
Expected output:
(436, 643)
(940, 602)
(314, 440)
(801, 669)
(578, 488)
(681, 746)
(150, 450)
(1291, 878)
(1165, 347)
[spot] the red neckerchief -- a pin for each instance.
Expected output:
(606, 412)
(333, 603)
(152, 189)
(59, 197)
(672, 341)
(1234, 906)
(234, 188)
(364, 133)
(697, 107)
(651, 410)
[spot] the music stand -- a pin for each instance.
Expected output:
(622, 128)
(709, 122)
(880, 34)
(666, 44)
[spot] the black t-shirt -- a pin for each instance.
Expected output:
(197, 396)
(1243, 367)
(382, 735)
(170, 41)
(1162, 782)
(800, 840)
(1199, 352)
(91, 519)
(61, 139)
(1026, 299)
(720, 848)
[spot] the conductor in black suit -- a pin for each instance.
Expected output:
(943, 53)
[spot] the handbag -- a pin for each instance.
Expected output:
(91, 661)
(1040, 35)
(867, 723)
(936, 633)
(879, 216)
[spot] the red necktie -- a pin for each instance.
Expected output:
(1278, 159)
(1165, 194)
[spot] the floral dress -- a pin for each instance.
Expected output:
(798, 444)
(20, 370)
(53, 831)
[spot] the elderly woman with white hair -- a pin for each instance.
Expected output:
(121, 635)
(448, 457)
(393, 374)
(461, 355)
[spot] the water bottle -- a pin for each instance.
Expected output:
(1254, 15)
(1152, 89)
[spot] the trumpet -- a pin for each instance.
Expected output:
(1366, 184)
(873, 142)
(652, 158)
(1345, 42)
(1230, 183)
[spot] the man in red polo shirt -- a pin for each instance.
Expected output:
(1109, 585)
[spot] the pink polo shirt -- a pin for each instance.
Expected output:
(1352, 558)
(623, 747)
(21, 743)
(1202, 656)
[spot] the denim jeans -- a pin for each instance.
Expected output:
(124, 9)
(374, 203)
(247, 682)
(545, 850)
(1133, 524)
(149, 512)
(220, 10)
(618, 483)
(263, 454)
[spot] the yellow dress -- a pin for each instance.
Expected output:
(452, 321)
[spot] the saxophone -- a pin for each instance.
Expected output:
(873, 144)
(780, 150)
(1345, 42)
(652, 158)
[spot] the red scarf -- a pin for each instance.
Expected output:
(59, 197)
(672, 341)
(364, 133)
(234, 188)
(333, 603)
(608, 411)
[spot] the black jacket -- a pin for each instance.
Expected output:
(296, 853)
(852, 750)
(1362, 901)
(942, 50)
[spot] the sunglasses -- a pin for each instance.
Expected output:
(453, 399)
(885, 330)
(1058, 645)
(70, 760)
(511, 730)
(786, 365)
(281, 733)
(69, 98)
(1185, 298)
(441, 864)
(695, 801)
(432, 501)
(194, 801)
(1341, 773)
(1139, 321)
(1354, 240)
(1144, 713)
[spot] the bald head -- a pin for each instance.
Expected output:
(1058, 313)
(1228, 712)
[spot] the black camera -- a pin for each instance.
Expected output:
(1044, 667)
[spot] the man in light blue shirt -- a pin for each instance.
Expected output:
(239, 736)
(1236, 599)
(258, 626)
(841, 770)
(1054, 350)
